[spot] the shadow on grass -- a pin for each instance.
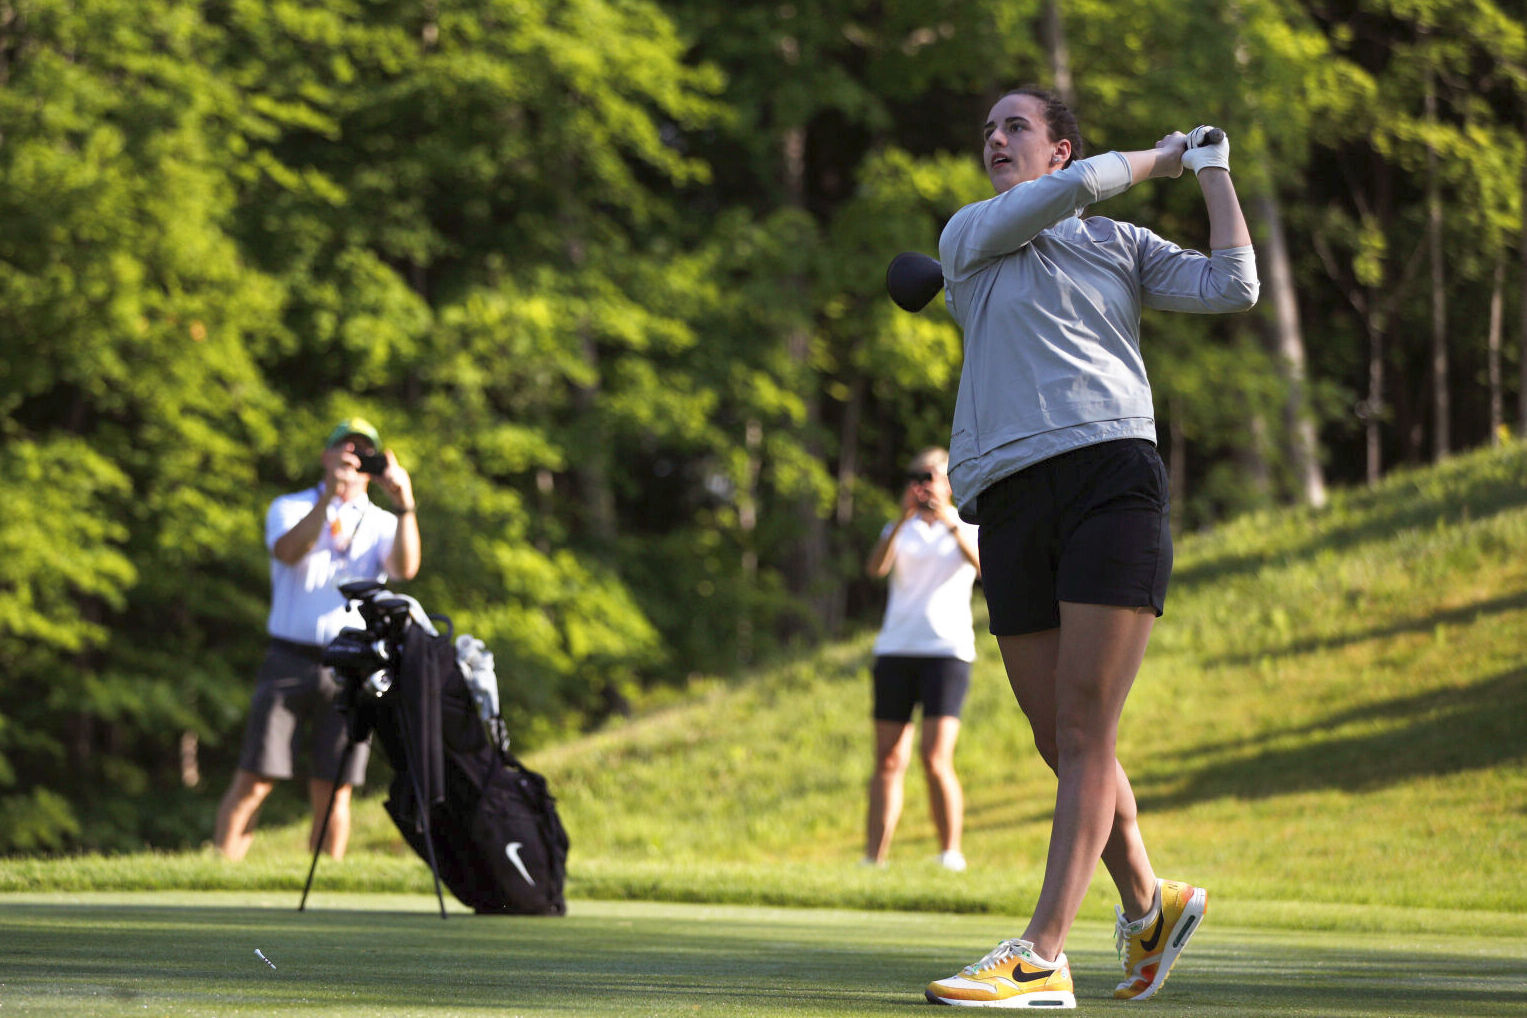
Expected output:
(1465, 615)
(1458, 491)
(1443, 731)
(174, 958)
(1387, 980)
(1439, 732)
(128, 958)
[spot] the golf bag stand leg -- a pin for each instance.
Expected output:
(423, 807)
(323, 826)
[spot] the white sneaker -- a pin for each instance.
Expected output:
(952, 861)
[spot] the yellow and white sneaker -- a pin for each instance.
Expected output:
(1149, 946)
(1011, 975)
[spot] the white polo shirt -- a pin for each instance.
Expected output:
(927, 609)
(305, 603)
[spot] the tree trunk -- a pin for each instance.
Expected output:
(429, 32)
(546, 486)
(592, 464)
(190, 766)
(806, 561)
(848, 452)
(1442, 412)
(1060, 54)
(1177, 464)
(747, 525)
(1381, 411)
(81, 740)
(1492, 347)
(7, 20)
(593, 461)
(1254, 456)
(1521, 382)
(1298, 419)
(1373, 406)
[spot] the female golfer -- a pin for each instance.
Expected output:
(1053, 453)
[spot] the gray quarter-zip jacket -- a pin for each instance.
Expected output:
(1050, 307)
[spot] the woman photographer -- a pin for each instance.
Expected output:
(922, 655)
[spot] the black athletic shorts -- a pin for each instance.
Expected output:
(939, 683)
(1089, 526)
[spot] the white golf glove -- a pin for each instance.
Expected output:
(1200, 157)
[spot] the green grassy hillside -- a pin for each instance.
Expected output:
(1334, 708)
(1333, 714)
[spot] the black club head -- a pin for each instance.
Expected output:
(912, 279)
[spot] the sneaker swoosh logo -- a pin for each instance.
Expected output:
(512, 850)
(1150, 942)
(1023, 975)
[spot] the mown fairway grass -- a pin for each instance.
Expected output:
(181, 954)
(1330, 732)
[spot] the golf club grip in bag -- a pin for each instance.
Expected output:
(499, 845)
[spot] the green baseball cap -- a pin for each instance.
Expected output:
(357, 426)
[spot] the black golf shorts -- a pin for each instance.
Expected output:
(938, 683)
(1090, 526)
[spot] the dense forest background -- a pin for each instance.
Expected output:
(608, 274)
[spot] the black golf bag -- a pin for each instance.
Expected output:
(486, 824)
(497, 840)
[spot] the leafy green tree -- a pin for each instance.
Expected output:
(1384, 156)
(482, 198)
(609, 276)
(130, 405)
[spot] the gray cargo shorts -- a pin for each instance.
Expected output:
(297, 696)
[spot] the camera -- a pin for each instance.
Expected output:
(372, 462)
(366, 658)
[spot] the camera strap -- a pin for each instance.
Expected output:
(341, 543)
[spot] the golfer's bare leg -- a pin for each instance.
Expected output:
(1030, 662)
(946, 799)
(1033, 663)
(233, 832)
(1100, 651)
(893, 752)
(1125, 857)
(337, 837)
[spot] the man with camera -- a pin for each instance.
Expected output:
(318, 539)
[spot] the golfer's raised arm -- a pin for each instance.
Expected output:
(998, 226)
(1227, 224)
(1207, 154)
(1165, 160)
